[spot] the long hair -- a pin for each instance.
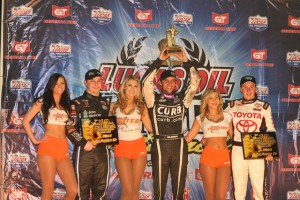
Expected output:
(204, 107)
(122, 99)
(47, 97)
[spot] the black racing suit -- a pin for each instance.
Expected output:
(91, 167)
(169, 152)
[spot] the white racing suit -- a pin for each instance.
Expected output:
(249, 116)
(169, 151)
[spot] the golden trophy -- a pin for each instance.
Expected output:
(171, 41)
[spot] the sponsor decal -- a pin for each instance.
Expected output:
(197, 174)
(293, 195)
(20, 85)
(60, 12)
(246, 126)
(101, 16)
(259, 55)
(294, 90)
(294, 22)
(293, 126)
(183, 20)
(262, 90)
(58, 193)
(293, 160)
(21, 47)
(293, 58)
(18, 160)
(22, 13)
(143, 15)
(17, 194)
(60, 50)
(258, 23)
(220, 19)
(145, 195)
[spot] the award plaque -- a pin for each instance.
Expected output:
(100, 130)
(171, 41)
(259, 145)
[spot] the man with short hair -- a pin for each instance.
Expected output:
(249, 114)
(167, 110)
(91, 160)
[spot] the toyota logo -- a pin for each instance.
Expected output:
(246, 126)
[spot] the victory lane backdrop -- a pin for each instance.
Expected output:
(225, 39)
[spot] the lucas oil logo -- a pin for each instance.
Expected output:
(293, 195)
(59, 50)
(22, 13)
(293, 58)
(258, 23)
(183, 20)
(18, 160)
(19, 85)
(101, 16)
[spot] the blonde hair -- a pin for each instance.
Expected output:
(122, 99)
(204, 108)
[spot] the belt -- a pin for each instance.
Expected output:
(169, 137)
(235, 143)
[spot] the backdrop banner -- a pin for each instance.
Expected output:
(225, 39)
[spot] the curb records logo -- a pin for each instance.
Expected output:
(60, 12)
(17, 194)
(21, 47)
(58, 193)
(294, 160)
(143, 15)
(220, 19)
(22, 13)
(294, 90)
(60, 50)
(20, 85)
(259, 55)
(262, 90)
(101, 16)
(258, 23)
(294, 22)
(18, 160)
(293, 195)
(183, 20)
(293, 58)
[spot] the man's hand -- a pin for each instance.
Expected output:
(89, 146)
(269, 158)
(164, 55)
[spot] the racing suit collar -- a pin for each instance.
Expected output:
(91, 96)
(244, 101)
(168, 96)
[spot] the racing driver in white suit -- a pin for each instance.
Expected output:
(249, 115)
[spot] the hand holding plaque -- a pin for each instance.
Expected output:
(171, 40)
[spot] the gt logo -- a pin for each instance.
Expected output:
(143, 15)
(246, 126)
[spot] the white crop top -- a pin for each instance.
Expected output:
(129, 126)
(213, 129)
(57, 116)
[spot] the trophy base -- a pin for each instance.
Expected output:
(174, 50)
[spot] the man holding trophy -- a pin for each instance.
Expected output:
(167, 110)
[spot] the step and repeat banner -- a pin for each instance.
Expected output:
(225, 39)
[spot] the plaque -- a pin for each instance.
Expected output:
(258, 145)
(100, 130)
(171, 39)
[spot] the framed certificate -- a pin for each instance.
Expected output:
(259, 145)
(100, 130)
